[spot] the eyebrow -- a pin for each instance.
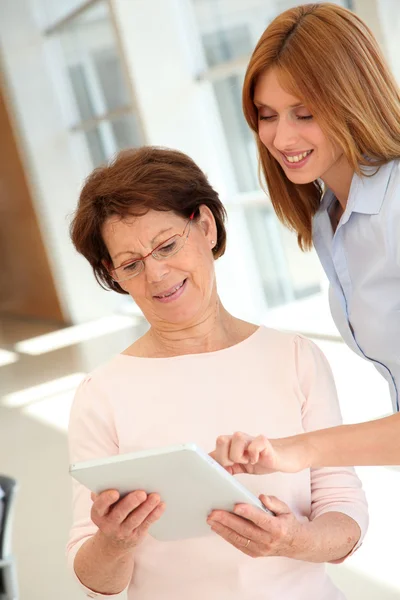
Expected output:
(261, 105)
(151, 242)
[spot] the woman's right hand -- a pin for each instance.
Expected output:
(124, 522)
(243, 453)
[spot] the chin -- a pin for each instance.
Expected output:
(300, 178)
(179, 315)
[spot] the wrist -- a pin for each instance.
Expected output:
(111, 548)
(305, 451)
(296, 452)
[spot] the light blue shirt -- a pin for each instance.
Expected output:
(362, 262)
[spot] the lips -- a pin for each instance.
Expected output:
(171, 291)
(295, 160)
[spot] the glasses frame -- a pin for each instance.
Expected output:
(153, 253)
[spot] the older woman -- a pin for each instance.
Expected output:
(151, 226)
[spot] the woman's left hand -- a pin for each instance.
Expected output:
(257, 533)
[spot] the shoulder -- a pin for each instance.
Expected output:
(270, 335)
(283, 336)
(97, 385)
(102, 373)
(287, 341)
(297, 356)
(294, 346)
(386, 183)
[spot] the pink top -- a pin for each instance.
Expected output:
(273, 383)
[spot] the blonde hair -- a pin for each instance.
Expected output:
(326, 56)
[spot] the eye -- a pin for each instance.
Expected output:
(266, 117)
(168, 248)
(131, 267)
(305, 117)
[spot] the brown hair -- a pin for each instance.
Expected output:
(329, 58)
(134, 182)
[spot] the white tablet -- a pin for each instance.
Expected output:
(189, 481)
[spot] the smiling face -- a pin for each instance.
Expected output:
(290, 133)
(179, 289)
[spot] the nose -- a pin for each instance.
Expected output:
(285, 135)
(155, 270)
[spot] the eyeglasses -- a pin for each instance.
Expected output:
(167, 248)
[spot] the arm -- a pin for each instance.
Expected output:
(372, 443)
(330, 538)
(106, 529)
(102, 567)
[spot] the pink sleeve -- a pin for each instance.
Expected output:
(91, 434)
(335, 488)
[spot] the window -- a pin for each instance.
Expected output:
(100, 110)
(229, 30)
(286, 274)
(389, 13)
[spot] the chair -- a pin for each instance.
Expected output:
(8, 576)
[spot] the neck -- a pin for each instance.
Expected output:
(338, 179)
(216, 329)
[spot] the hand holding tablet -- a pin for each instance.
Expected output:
(187, 480)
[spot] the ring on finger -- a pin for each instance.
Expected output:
(247, 543)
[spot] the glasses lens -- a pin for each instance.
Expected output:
(170, 247)
(128, 271)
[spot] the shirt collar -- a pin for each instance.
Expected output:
(367, 192)
(366, 195)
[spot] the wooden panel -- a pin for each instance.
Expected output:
(26, 284)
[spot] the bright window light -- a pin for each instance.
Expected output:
(43, 390)
(7, 358)
(53, 411)
(75, 334)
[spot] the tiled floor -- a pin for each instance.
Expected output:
(33, 449)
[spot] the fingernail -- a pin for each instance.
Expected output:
(239, 510)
